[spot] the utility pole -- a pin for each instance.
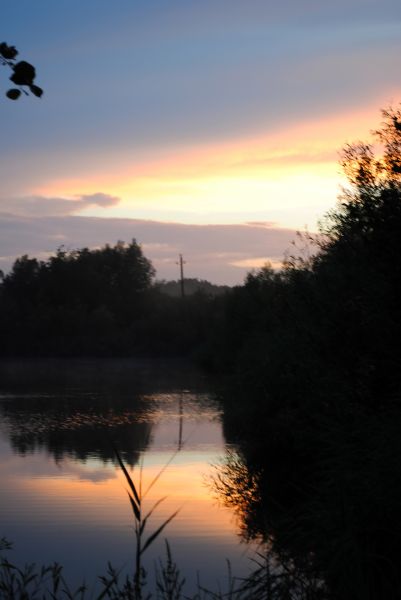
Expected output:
(181, 421)
(182, 263)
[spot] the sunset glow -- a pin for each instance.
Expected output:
(291, 175)
(212, 115)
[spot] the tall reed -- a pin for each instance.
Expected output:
(136, 497)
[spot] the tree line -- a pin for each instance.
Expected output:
(314, 352)
(99, 302)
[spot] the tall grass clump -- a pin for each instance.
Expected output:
(136, 497)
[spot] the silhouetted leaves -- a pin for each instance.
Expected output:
(13, 94)
(23, 73)
(36, 91)
(8, 52)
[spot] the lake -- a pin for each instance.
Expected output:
(64, 499)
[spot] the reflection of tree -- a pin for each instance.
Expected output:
(330, 512)
(279, 572)
(79, 425)
(76, 407)
(239, 488)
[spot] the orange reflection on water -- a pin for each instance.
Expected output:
(103, 500)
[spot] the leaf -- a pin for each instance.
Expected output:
(109, 584)
(134, 507)
(24, 73)
(397, 124)
(8, 52)
(127, 476)
(158, 531)
(13, 94)
(150, 513)
(36, 90)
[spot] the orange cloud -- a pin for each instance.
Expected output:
(290, 174)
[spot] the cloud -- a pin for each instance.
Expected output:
(40, 206)
(257, 263)
(266, 224)
(219, 253)
(99, 199)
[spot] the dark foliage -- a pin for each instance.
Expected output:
(97, 303)
(76, 302)
(23, 73)
(191, 286)
(318, 349)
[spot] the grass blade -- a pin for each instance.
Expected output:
(135, 508)
(160, 473)
(127, 477)
(158, 531)
(109, 584)
(150, 512)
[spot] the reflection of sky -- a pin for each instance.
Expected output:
(188, 112)
(77, 512)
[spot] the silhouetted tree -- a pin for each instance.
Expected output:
(317, 349)
(77, 301)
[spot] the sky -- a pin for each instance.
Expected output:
(208, 128)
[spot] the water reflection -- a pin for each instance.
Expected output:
(321, 493)
(63, 497)
(76, 409)
(239, 487)
(79, 426)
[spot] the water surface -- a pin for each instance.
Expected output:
(64, 499)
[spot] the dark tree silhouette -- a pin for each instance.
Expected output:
(23, 73)
(315, 356)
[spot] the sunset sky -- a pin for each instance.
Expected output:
(209, 128)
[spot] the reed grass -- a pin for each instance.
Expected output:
(265, 582)
(136, 497)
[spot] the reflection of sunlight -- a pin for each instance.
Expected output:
(92, 470)
(81, 495)
(59, 482)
